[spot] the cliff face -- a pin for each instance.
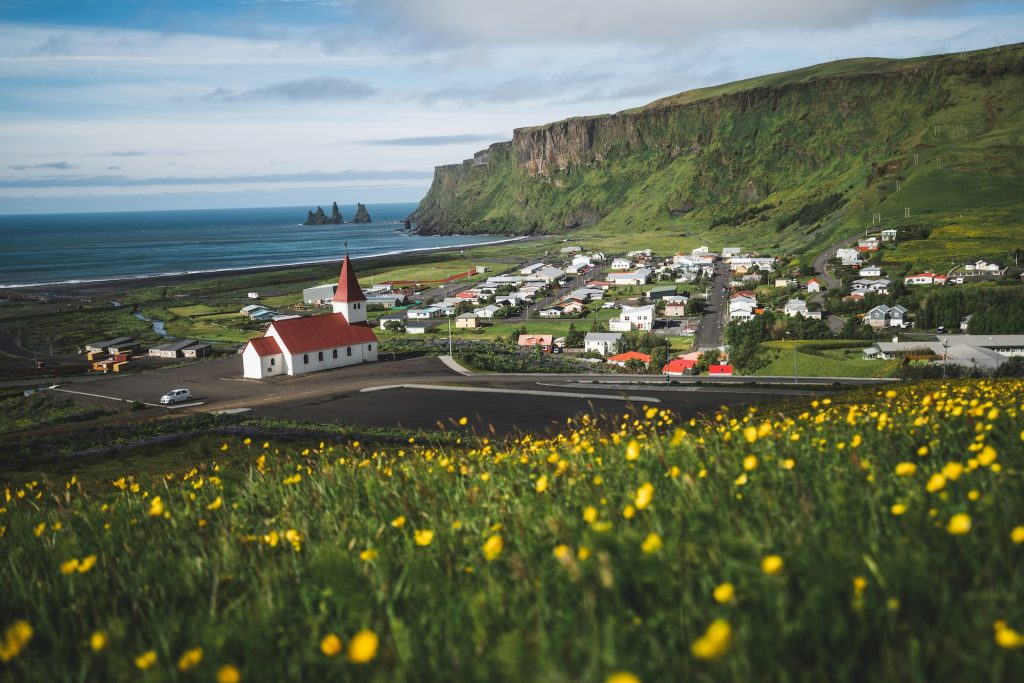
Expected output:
(781, 141)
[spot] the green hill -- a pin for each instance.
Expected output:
(787, 161)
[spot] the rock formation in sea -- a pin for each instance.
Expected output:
(362, 215)
(320, 218)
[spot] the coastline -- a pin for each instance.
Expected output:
(113, 286)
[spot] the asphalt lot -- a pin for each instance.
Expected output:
(418, 393)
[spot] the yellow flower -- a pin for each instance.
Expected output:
(271, 539)
(651, 544)
(1007, 637)
(987, 456)
(190, 659)
(788, 463)
(542, 483)
(859, 584)
(493, 547)
(156, 507)
(98, 641)
(463, 421)
(398, 522)
(363, 647)
(622, 677)
(905, 469)
(724, 593)
(589, 514)
(86, 563)
(855, 441)
(937, 482)
(368, 555)
(16, 637)
(750, 463)
(959, 524)
(145, 660)
(1017, 535)
(628, 512)
(40, 528)
(750, 434)
(632, 450)
(295, 538)
(715, 641)
(229, 673)
(423, 536)
(215, 505)
(952, 470)
(741, 480)
(70, 566)
(973, 494)
(562, 552)
(643, 496)
(294, 479)
(771, 564)
(120, 483)
(330, 645)
(897, 509)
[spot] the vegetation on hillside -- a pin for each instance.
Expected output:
(872, 536)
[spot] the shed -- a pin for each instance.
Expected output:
(662, 292)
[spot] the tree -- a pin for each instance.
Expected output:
(574, 337)
(394, 326)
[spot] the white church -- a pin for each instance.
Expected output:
(321, 342)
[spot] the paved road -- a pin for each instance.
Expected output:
(709, 334)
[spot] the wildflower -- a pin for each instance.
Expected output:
(583, 553)
(156, 507)
(363, 647)
(959, 524)
(589, 514)
(330, 645)
(562, 552)
(622, 677)
(223, 446)
(1017, 535)
(398, 522)
(368, 555)
(771, 565)
(724, 593)
(643, 496)
(788, 464)
(937, 482)
(859, 584)
(897, 509)
(294, 479)
(750, 463)
(295, 538)
(973, 494)
(905, 469)
(463, 421)
(542, 484)
(190, 659)
(98, 641)
(145, 660)
(741, 480)
(120, 483)
(40, 528)
(423, 536)
(632, 450)
(493, 547)
(1007, 637)
(987, 456)
(70, 566)
(271, 539)
(750, 434)
(86, 563)
(715, 641)
(651, 544)
(16, 637)
(229, 673)
(628, 512)
(215, 505)
(952, 470)
(856, 441)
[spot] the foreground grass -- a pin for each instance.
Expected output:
(876, 536)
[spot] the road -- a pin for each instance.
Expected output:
(709, 334)
(820, 262)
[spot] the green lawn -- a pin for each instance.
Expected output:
(840, 358)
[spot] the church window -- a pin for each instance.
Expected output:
(349, 350)
(335, 353)
(305, 358)
(320, 356)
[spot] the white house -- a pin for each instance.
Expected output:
(982, 266)
(889, 235)
(640, 276)
(886, 316)
(531, 269)
(848, 257)
(424, 313)
(621, 264)
(319, 294)
(551, 313)
(546, 274)
(813, 285)
(925, 279)
(601, 342)
(729, 252)
(633, 318)
(300, 345)
(871, 271)
(487, 311)
(795, 307)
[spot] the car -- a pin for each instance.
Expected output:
(940, 330)
(176, 396)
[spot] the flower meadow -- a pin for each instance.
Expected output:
(876, 535)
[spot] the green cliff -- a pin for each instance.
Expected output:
(789, 160)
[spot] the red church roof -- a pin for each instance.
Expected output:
(348, 286)
(678, 366)
(318, 332)
(265, 346)
(630, 355)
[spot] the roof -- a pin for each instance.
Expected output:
(320, 332)
(630, 355)
(602, 336)
(535, 339)
(265, 346)
(678, 365)
(720, 369)
(348, 285)
(176, 345)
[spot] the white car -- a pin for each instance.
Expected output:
(176, 396)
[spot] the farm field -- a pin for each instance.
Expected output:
(825, 359)
(875, 535)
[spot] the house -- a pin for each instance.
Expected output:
(965, 322)
(302, 345)
(982, 266)
(315, 296)
(105, 345)
(633, 318)
(785, 282)
(623, 358)
(424, 313)
(679, 367)
(848, 257)
(601, 342)
(550, 313)
(543, 341)
(422, 326)
(126, 346)
(889, 235)
(467, 321)
(662, 292)
(868, 244)
(866, 285)
(488, 311)
(386, 300)
(675, 310)
(547, 274)
(926, 278)
(640, 276)
(795, 307)
(531, 269)
(984, 352)
(621, 264)
(813, 285)
(720, 370)
(385, 319)
(870, 271)
(570, 250)
(886, 316)
(176, 349)
(571, 307)
(579, 263)
(729, 252)
(257, 312)
(196, 350)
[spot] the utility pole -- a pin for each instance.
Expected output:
(449, 335)
(945, 346)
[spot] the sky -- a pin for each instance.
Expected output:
(110, 105)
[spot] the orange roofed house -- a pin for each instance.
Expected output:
(299, 345)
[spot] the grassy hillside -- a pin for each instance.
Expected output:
(941, 136)
(877, 535)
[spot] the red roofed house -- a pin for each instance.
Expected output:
(299, 345)
(813, 285)
(624, 358)
(723, 370)
(679, 367)
(544, 341)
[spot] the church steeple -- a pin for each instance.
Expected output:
(348, 298)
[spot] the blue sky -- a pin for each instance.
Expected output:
(128, 104)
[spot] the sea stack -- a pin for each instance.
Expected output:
(320, 218)
(362, 215)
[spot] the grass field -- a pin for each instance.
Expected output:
(825, 359)
(876, 535)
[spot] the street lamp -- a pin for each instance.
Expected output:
(450, 355)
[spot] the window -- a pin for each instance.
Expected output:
(348, 350)
(369, 347)
(335, 353)
(320, 356)
(305, 358)
(273, 361)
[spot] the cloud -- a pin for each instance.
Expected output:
(56, 165)
(305, 90)
(126, 181)
(55, 45)
(432, 140)
(126, 153)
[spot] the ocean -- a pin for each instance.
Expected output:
(74, 248)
